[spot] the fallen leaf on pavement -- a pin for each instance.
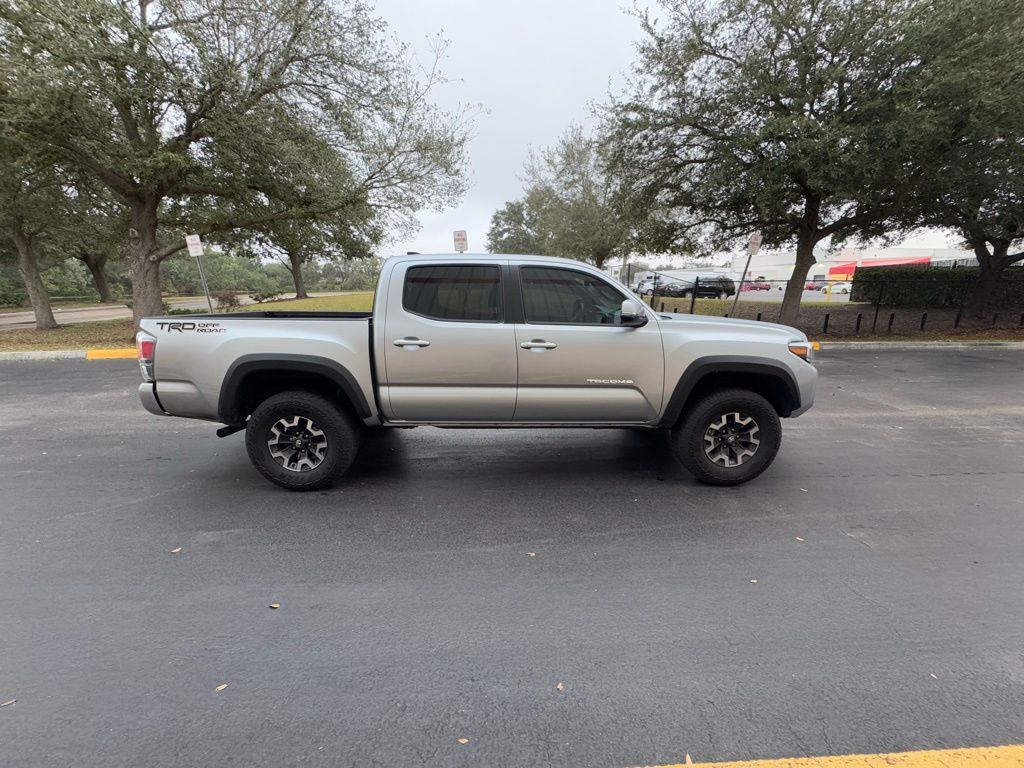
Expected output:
(753, 581)
(221, 687)
(275, 606)
(798, 538)
(463, 741)
(560, 687)
(8, 703)
(176, 550)
(531, 554)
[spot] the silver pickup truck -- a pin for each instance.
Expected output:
(479, 341)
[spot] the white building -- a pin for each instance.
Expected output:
(841, 264)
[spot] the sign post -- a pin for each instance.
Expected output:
(461, 242)
(195, 248)
(753, 246)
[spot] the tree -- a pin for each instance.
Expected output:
(30, 197)
(793, 118)
(207, 116)
(515, 227)
(978, 188)
(95, 230)
(298, 242)
(569, 209)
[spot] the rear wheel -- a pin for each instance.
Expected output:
(300, 440)
(723, 294)
(728, 437)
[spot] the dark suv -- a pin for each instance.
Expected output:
(719, 287)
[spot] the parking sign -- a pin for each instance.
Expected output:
(460, 241)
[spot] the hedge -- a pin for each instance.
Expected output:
(925, 287)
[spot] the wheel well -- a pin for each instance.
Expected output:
(772, 388)
(257, 386)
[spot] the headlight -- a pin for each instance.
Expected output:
(804, 349)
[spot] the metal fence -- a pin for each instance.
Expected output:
(842, 308)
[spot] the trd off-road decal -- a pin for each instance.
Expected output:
(181, 327)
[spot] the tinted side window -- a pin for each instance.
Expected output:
(454, 292)
(566, 296)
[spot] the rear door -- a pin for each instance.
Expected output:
(577, 364)
(449, 354)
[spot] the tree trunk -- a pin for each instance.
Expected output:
(990, 270)
(296, 269)
(143, 266)
(795, 287)
(28, 265)
(600, 256)
(95, 262)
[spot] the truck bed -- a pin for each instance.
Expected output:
(196, 354)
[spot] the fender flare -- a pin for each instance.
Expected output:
(227, 403)
(715, 364)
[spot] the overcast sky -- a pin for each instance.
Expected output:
(534, 66)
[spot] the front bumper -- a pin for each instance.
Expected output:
(147, 394)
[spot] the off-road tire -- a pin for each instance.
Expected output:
(691, 446)
(339, 429)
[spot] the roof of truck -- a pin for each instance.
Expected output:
(495, 256)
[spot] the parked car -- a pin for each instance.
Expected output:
(840, 286)
(757, 285)
(815, 285)
(718, 287)
(645, 287)
(479, 341)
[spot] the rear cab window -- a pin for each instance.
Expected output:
(468, 293)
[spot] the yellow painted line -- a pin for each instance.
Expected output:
(110, 354)
(1011, 756)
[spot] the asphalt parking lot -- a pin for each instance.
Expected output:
(564, 598)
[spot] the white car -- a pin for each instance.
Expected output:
(843, 287)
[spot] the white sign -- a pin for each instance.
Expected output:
(754, 243)
(461, 242)
(195, 245)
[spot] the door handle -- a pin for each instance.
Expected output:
(411, 341)
(538, 344)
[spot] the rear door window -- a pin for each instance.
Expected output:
(455, 292)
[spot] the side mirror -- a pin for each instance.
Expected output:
(632, 314)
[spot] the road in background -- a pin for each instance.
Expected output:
(27, 318)
(566, 598)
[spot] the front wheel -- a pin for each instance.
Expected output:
(728, 437)
(300, 440)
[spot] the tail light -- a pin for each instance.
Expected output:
(146, 346)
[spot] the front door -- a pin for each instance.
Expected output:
(577, 364)
(449, 354)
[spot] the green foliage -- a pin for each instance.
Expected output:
(224, 272)
(922, 287)
(570, 207)
(805, 121)
(226, 300)
(221, 118)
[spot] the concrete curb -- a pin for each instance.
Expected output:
(912, 345)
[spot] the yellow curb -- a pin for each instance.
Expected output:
(110, 354)
(1011, 756)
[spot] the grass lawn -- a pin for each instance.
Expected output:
(92, 335)
(360, 301)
